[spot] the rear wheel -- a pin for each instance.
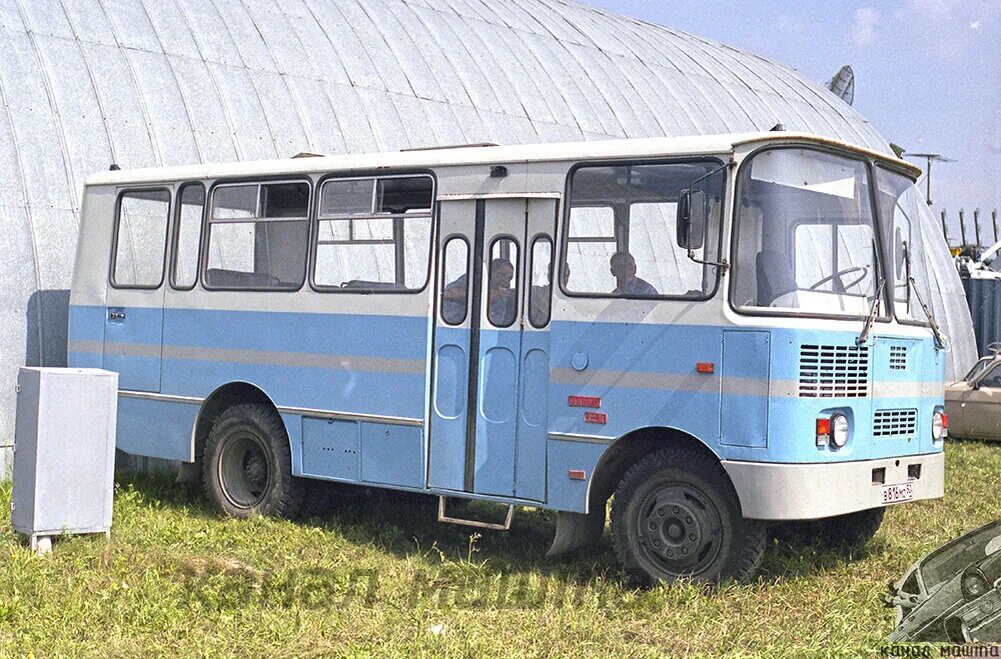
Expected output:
(675, 516)
(247, 465)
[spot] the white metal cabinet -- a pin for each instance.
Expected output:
(64, 451)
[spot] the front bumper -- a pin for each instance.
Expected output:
(776, 492)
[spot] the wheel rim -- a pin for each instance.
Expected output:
(680, 529)
(244, 471)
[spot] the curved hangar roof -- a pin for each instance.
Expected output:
(162, 82)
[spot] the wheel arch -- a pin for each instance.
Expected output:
(222, 398)
(628, 448)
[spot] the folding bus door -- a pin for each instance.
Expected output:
(491, 347)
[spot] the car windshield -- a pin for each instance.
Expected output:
(805, 234)
(979, 368)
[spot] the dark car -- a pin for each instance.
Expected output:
(954, 593)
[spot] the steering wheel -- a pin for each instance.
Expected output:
(864, 269)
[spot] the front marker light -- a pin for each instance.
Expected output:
(839, 430)
(939, 425)
(823, 431)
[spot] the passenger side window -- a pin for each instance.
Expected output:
(502, 283)
(622, 231)
(455, 281)
(187, 235)
(374, 234)
(140, 239)
(257, 236)
(540, 295)
(992, 379)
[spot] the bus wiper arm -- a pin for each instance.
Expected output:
(935, 329)
(876, 297)
(871, 318)
(913, 286)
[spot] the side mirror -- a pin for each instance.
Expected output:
(691, 221)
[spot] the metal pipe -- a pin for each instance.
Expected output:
(962, 227)
(945, 231)
(976, 226)
(994, 221)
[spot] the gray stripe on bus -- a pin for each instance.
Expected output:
(697, 383)
(258, 357)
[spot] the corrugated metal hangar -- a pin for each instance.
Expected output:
(140, 83)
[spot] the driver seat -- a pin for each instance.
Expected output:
(775, 277)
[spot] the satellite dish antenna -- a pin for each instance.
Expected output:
(843, 84)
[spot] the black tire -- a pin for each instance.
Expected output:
(852, 530)
(675, 515)
(247, 465)
(841, 532)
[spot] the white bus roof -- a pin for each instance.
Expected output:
(477, 154)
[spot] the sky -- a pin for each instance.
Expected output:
(927, 73)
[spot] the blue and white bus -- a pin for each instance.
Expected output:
(720, 331)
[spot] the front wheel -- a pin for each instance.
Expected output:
(247, 465)
(675, 515)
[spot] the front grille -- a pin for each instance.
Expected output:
(894, 423)
(898, 358)
(833, 371)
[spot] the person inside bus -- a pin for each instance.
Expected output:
(453, 301)
(502, 304)
(623, 267)
(501, 297)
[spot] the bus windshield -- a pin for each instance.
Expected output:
(806, 240)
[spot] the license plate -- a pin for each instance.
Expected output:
(898, 493)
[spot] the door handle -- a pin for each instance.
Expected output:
(116, 314)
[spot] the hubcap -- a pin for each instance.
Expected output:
(680, 529)
(244, 471)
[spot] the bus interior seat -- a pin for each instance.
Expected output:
(376, 285)
(775, 278)
(238, 279)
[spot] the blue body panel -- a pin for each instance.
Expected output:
(156, 428)
(497, 411)
(644, 374)
(533, 417)
(449, 409)
(744, 416)
(132, 330)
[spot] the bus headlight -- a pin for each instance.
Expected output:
(839, 430)
(939, 425)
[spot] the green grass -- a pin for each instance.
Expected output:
(178, 580)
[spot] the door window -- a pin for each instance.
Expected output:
(540, 294)
(455, 281)
(141, 239)
(502, 284)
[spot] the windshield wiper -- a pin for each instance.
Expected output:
(877, 296)
(913, 286)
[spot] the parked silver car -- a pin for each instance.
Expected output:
(973, 405)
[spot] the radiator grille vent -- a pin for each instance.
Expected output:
(833, 371)
(898, 358)
(894, 423)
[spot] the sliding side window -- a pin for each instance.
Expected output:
(374, 234)
(257, 236)
(187, 235)
(622, 231)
